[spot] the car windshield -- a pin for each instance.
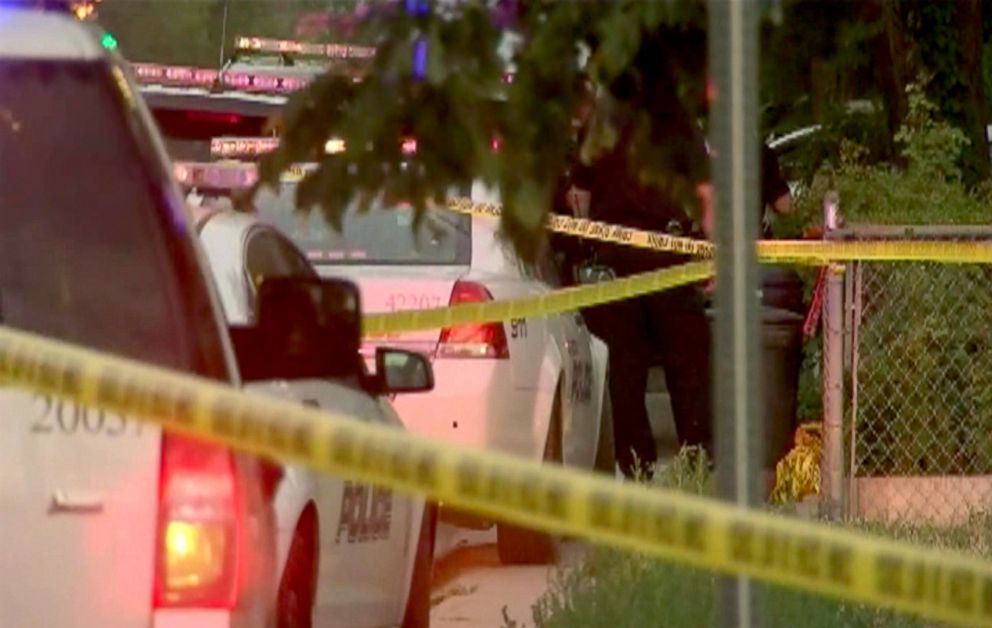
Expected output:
(383, 235)
(93, 250)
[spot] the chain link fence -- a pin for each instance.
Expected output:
(918, 364)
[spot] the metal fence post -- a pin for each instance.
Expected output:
(832, 471)
(733, 46)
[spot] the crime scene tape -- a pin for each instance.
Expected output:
(812, 252)
(564, 300)
(596, 230)
(937, 584)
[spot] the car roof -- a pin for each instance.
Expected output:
(221, 218)
(33, 34)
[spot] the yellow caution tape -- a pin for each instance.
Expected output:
(938, 584)
(813, 252)
(820, 252)
(596, 230)
(556, 302)
(576, 298)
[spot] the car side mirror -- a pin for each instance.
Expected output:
(306, 328)
(399, 371)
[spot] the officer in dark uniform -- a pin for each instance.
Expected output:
(671, 324)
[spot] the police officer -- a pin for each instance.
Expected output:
(670, 325)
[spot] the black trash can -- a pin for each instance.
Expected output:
(782, 344)
(782, 288)
(781, 357)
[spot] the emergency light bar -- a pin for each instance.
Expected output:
(242, 146)
(215, 175)
(184, 76)
(254, 146)
(331, 51)
(230, 175)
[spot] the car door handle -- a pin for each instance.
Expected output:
(78, 503)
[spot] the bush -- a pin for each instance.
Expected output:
(925, 405)
(621, 589)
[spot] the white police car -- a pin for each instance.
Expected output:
(349, 554)
(106, 521)
(535, 388)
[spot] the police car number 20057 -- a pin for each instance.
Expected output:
(347, 552)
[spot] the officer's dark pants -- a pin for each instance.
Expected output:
(669, 325)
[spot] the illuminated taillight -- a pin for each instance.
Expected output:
(199, 531)
(485, 340)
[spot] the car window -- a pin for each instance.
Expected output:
(269, 254)
(187, 132)
(383, 235)
(94, 249)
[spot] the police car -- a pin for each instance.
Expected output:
(534, 388)
(531, 387)
(349, 554)
(107, 521)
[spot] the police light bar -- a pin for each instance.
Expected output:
(185, 76)
(230, 175)
(254, 146)
(153, 73)
(218, 176)
(331, 51)
(242, 146)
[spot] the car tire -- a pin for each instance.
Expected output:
(606, 455)
(297, 590)
(418, 604)
(523, 546)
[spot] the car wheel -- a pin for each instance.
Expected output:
(418, 604)
(606, 456)
(297, 590)
(523, 546)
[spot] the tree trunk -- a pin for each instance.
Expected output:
(968, 19)
(897, 62)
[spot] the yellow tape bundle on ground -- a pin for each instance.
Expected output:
(564, 300)
(941, 585)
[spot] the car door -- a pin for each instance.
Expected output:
(362, 528)
(580, 420)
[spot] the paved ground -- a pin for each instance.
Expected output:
(472, 588)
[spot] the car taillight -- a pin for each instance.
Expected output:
(484, 340)
(199, 529)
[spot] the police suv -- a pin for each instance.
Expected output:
(107, 521)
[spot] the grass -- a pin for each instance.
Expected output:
(617, 589)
